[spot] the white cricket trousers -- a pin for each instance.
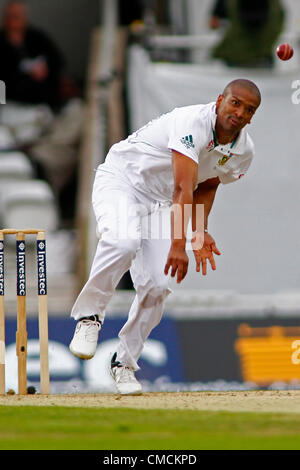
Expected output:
(125, 221)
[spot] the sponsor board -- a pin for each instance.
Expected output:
(257, 352)
(1, 268)
(41, 267)
(21, 268)
(160, 358)
(180, 355)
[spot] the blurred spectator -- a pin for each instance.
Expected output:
(32, 68)
(252, 31)
(219, 14)
(31, 63)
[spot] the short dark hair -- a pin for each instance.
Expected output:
(243, 82)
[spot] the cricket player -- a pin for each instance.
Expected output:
(178, 159)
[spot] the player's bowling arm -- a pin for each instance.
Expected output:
(204, 194)
(185, 172)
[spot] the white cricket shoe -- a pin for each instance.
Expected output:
(85, 339)
(124, 378)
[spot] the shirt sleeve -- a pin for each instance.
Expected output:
(187, 135)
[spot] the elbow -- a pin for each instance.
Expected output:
(182, 190)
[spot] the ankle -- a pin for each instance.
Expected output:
(91, 317)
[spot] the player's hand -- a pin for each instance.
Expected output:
(204, 248)
(178, 261)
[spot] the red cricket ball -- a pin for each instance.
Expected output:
(285, 51)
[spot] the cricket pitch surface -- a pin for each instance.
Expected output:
(277, 401)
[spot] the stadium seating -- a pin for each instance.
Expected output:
(28, 203)
(14, 166)
(7, 140)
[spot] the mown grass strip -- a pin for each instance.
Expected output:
(64, 428)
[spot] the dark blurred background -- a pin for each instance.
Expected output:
(69, 23)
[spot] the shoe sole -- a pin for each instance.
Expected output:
(139, 392)
(81, 356)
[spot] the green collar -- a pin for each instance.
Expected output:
(216, 143)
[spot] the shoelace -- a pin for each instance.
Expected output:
(90, 333)
(125, 374)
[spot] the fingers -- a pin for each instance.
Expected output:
(174, 269)
(215, 249)
(204, 267)
(201, 262)
(204, 254)
(184, 272)
(212, 262)
(180, 268)
(167, 267)
(180, 274)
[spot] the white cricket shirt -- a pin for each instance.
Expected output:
(144, 159)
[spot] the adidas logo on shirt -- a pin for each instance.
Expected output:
(188, 141)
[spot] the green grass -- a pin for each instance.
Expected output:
(26, 427)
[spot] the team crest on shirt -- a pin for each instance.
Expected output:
(223, 160)
(210, 146)
(188, 141)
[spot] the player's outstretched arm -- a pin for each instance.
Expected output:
(185, 172)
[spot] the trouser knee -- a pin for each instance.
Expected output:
(125, 247)
(155, 295)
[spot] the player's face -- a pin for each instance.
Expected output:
(236, 109)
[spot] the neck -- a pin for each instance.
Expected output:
(224, 137)
(16, 37)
